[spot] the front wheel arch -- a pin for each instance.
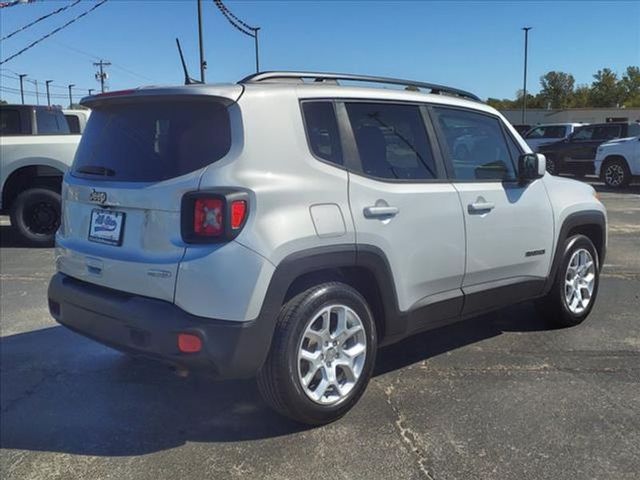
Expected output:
(590, 223)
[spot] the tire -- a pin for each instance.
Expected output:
(281, 380)
(615, 173)
(35, 214)
(556, 305)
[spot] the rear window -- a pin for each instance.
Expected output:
(51, 122)
(152, 141)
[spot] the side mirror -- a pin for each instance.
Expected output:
(531, 166)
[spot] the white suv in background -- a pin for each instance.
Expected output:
(618, 161)
(287, 226)
(549, 133)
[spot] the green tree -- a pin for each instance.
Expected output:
(533, 101)
(581, 97)
(3, 102)
(557, 89)
(498, 104)
(631, 86)
(606, 90)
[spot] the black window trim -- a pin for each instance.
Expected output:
(449, 166)
(352, 158)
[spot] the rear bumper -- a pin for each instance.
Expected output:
(150, 327)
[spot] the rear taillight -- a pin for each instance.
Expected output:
(213, 216)
(238, 213)
(208, 216)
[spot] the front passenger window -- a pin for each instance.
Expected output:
(475, 145)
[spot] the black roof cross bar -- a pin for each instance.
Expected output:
(319, 77)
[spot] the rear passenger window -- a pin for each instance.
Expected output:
(9, 122)
(322, 131)
(475, 145)
(606, 132)
(392, 141)
(74, 123)
(51, 122)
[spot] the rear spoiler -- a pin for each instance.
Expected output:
(225, 93)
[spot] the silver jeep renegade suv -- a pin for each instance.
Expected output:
(287, 226)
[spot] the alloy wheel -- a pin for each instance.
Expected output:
(580, 281)
(331, 354)
(614, 175)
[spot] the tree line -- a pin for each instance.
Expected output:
(558, 90)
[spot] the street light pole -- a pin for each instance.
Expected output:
(22, 75)
(91, 91)
(47, 82)
(203, 63)
(524, 89)
(70, 97)
(255, 36)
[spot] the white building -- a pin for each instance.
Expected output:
(535, 116)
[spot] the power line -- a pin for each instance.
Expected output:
(241, 26)
(13, 3)
(44, 17)
(16, 78)
(53, 32)
(30, 92)
(113, 64)
(235, 21)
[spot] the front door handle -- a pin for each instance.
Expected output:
(380, 211)
(481, 207)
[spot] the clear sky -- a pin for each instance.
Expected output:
(477, 46)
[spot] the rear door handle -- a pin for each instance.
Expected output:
(377, 212)
(481, 207)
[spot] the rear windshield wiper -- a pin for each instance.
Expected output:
(96, 170)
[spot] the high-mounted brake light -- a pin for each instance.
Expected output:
(116, 93)
(213, 216)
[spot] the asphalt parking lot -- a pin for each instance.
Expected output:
(500, 396)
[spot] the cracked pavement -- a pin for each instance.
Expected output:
(502, 396)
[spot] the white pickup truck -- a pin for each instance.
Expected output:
(618, 161)
(36, 148)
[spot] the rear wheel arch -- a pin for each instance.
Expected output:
(31, 176)
(364, 268)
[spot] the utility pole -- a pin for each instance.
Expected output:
(101, 76)
(203, 63)
(35, 82)
(47, 82)
(70, 97)
(22, 75)
(524, 89)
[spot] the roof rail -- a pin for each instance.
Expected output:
(320, 76)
